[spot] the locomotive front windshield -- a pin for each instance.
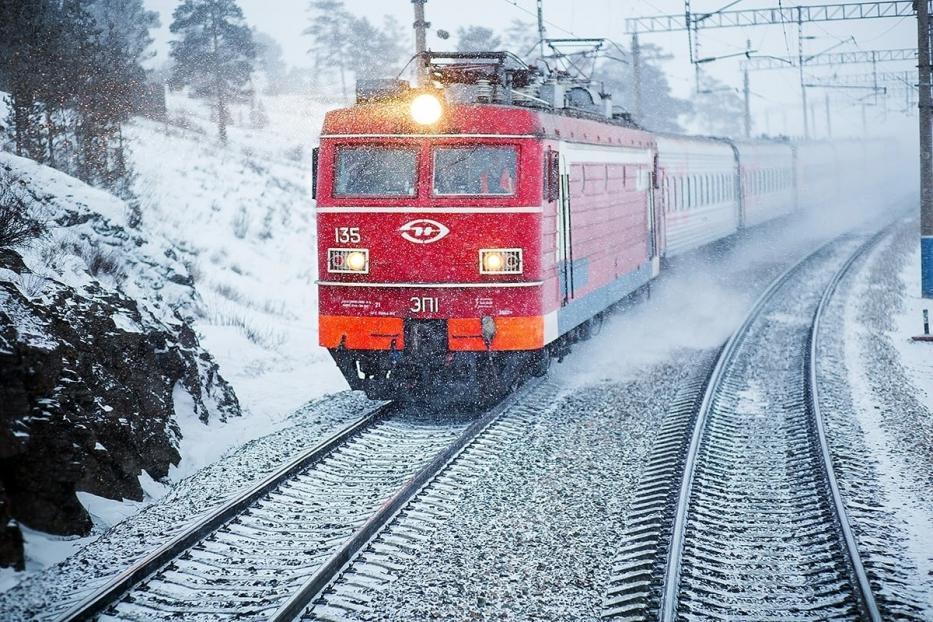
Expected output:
(476, 171)
(376, 172)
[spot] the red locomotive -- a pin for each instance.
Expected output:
(470, 231)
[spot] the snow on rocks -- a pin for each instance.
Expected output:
(73, 378)
(47, 595)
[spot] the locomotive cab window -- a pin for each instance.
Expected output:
(376, 172)
(475, 171)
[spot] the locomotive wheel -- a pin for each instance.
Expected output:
(541, 363)
(596, 324)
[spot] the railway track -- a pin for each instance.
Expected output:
(739, 514)
(268, 552)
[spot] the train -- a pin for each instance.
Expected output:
(473, 228)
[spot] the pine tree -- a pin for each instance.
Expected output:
(73, 70)
(717, 108)
(477, 39)
(661, 111)
(124, 33)
(270, 61)
(214, 55)
(25, 28)
(373, 52)
(329, 31)
(521, 38)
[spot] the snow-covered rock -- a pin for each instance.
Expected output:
(96, 346)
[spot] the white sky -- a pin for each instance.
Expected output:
(776, 100)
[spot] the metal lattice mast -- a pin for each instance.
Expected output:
(771, 16)
(763, 63)
(926, 152)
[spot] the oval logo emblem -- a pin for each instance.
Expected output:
(423, 231)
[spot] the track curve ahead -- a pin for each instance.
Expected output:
(760, 530)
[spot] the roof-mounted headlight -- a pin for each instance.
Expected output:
(426, 109)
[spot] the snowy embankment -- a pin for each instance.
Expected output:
(243, 217)
(101, 372)
(889, 376)
(235, 224)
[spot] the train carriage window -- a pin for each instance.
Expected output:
(376, 172)
(478, 170)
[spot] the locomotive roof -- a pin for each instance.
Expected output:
(487, 120)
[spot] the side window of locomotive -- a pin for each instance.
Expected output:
(376, 172)
(476, 171)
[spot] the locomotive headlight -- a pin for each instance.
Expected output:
(500, 261)
(356, 261)
(348, 260)
(493, 262)
(426, 109)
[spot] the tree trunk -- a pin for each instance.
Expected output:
(20, 122)
(50, 134)
(218, 88)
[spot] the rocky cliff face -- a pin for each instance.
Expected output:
(96, 355)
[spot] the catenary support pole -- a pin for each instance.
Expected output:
(926, 151)
(747, 93)
(421, 36)
(541, 29)
(829, 121)
(636, 76)
(803, 86)
(748, 105)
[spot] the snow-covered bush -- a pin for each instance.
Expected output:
(17, 227)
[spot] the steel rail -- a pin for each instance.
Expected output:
(148, 566)
(864, 592)
(669, 594)
(341, 559)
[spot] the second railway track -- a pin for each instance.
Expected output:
(761, 532)
(740, 516)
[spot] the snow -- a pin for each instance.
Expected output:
(125, 323)
(916, 356)
(699, 301)
(203, 445)
(102, 556)
(243, 216)
(903, 484)
(107, 512)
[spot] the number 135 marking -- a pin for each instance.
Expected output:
(347, 235)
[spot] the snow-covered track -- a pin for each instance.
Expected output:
(738, 514)
(760, 530)
(270, 551)
(217, 518)
(247, 558)
(396, 519)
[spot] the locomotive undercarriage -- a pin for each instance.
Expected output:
(425, 370)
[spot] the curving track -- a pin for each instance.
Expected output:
(738, 515)
(760, 530)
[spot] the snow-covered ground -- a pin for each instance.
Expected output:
(891, 382)
(243, 214)
(916, 356)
